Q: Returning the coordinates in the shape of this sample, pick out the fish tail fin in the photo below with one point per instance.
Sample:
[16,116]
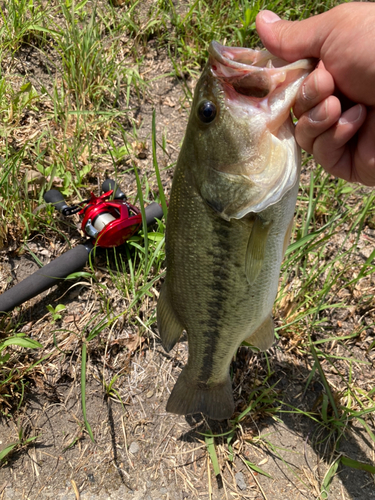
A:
[189,396]
[170,328]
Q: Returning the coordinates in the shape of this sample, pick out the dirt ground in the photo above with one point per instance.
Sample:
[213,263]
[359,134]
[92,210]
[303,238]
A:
[146,453]
[140,451]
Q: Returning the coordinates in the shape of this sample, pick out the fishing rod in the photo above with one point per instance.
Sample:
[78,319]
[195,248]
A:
[109,220]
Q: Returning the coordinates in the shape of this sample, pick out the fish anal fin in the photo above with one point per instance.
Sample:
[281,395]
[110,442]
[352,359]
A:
[264,336]
[169,326]
[189,396]
[256,248]
[287,235]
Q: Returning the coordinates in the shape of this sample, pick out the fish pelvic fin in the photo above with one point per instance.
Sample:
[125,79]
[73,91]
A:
[169,326]
[264,336]
[189,396]
[256,248]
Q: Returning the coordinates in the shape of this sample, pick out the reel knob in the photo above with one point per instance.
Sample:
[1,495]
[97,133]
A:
[110,184]
[57,200]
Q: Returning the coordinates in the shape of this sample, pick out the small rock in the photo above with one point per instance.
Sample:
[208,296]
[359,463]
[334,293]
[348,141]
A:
[134,448]
[240,480]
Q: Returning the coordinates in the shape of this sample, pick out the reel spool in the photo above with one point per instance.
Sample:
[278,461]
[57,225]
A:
[108,222]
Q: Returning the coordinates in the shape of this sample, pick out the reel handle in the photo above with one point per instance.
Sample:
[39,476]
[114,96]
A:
[110,184]
[56,199]
[153,211]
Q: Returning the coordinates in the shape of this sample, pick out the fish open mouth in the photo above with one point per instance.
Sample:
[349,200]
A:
[253,73]
[258,91]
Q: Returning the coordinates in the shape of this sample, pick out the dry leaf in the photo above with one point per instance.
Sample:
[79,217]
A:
[34,177]
[84,155]
[56,181]
[134,342]
[169,102]
[264,461]
[140,149]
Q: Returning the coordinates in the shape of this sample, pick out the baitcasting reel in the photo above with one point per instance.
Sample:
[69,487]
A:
[108,222]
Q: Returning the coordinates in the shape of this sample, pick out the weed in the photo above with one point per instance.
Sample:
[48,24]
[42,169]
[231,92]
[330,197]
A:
[12,376]
[24,22]
[55,311]
[21,443]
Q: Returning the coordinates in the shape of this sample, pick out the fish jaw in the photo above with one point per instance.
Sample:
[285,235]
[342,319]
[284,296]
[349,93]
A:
[255,81]
[254,162]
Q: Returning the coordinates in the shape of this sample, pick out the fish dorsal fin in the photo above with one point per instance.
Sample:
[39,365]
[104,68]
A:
[256,248]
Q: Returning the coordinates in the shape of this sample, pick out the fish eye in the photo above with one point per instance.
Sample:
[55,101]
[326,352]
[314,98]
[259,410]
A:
[207,111]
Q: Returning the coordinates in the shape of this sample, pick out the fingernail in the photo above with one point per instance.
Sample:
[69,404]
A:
[269,16]
[319,113]
[310,87]
[351,115]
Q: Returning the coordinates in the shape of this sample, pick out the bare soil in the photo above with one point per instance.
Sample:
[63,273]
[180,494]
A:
[140,451]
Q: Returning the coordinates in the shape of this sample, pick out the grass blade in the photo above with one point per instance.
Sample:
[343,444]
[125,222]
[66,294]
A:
[324,380]
[156,167]
[210,445]
[255,468]
[7,450]
[83,390]
[328,479]
[144,222]
[355,464]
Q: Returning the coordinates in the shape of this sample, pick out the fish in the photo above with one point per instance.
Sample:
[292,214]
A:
[230,218]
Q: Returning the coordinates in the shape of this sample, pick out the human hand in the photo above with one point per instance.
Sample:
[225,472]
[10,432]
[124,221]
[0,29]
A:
[342,139]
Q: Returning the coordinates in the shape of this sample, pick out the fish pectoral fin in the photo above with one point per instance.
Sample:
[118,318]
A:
[189,396]
[287,236]
[169,326]
[264,336]
[256,248]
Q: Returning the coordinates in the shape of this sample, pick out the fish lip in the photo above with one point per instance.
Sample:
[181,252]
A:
[258,59]
[221,52]
[253,73]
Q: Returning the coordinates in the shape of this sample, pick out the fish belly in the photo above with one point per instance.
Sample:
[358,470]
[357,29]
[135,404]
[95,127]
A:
[206,292]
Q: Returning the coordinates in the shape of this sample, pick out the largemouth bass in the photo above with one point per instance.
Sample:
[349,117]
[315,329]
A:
[230,216]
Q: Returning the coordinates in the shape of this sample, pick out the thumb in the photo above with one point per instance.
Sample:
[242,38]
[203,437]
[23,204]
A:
[292,40]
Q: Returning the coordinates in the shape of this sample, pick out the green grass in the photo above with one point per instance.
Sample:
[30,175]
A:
[24,22]
[202,21]
[73,124]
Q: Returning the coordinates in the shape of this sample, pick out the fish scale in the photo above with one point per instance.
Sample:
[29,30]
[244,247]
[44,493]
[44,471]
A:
[228,226]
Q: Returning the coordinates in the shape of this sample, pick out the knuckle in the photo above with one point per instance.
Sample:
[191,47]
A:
[303,138]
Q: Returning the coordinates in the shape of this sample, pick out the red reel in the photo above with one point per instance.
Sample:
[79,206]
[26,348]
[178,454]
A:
[110,222]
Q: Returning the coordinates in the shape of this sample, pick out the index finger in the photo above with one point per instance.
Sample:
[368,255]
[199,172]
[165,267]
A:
[315,88]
